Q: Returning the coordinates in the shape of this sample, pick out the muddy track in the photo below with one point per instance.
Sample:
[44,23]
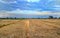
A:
[30,29]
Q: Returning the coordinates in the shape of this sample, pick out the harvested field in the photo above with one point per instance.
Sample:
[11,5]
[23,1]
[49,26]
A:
[30,28]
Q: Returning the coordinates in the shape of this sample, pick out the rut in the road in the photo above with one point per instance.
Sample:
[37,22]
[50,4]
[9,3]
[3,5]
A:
[19,29]
[30,29]
[27,29]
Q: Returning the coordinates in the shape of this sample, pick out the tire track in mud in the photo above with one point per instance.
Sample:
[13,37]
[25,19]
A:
[8,24]
[52,22]
[17,22]
[17,30]
[42,29]
[43,23]
[27,28]
[49,23]
[39,23]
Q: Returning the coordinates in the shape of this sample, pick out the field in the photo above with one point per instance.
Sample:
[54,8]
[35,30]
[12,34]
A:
[30,28]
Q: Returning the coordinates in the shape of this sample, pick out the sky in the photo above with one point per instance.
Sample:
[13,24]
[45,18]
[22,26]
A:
[29,7]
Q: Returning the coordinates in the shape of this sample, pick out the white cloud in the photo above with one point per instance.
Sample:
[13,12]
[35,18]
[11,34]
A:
[33,12]
[8,1]
[5,14]
[56,6]
[28,12]
[32,0]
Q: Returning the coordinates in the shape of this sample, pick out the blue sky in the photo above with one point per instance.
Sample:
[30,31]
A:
[30,7]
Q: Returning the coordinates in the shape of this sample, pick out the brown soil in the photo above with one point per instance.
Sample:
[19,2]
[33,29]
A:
[30,28]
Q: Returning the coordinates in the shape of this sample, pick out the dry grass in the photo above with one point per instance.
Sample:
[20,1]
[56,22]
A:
[30,28]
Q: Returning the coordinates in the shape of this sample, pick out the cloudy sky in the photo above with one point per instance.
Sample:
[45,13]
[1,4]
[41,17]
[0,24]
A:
[29,7]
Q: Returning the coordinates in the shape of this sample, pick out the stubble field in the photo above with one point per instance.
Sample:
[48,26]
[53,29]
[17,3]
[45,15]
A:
[30,28]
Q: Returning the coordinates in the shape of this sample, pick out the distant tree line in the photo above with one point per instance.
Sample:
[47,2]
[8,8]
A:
[8,18]
[50,17]
[12,18]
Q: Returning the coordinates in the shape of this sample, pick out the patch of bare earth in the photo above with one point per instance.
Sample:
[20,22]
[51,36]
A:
[31,28]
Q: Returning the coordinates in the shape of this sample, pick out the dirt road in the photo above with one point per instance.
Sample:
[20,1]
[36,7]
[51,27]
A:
[33,28]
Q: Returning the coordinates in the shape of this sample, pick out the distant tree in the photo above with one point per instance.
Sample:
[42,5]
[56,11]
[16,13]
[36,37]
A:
[38,18]
[10,18]
[15,17]
[55,17]
[51,17]
[7,18]
[59,17]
